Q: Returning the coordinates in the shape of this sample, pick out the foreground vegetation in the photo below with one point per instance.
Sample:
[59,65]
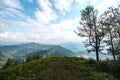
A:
[63,68]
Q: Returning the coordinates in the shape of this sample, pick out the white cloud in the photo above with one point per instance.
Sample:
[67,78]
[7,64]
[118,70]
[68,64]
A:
[63,5]
[23,23]
[12,13]
[42,30]
[66,25]
[45,4]
[105,4]
[46,14]
[12,3]
[52,34]
[93,2]
[60,32]
[30,37]
[11,36]
[81,2]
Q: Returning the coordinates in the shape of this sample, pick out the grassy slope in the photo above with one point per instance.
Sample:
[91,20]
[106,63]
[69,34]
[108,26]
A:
[55,68]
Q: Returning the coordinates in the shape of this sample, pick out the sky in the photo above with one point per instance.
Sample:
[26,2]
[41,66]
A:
[44,21]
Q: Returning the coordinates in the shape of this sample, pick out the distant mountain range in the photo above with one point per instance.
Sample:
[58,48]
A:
[79,50]
[74,46]
[21,51]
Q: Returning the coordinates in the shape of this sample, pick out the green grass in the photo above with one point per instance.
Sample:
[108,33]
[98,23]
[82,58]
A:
[56,68]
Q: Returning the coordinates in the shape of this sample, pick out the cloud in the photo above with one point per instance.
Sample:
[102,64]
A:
[46,15]
[60,32]
[81,2]
[23,24]
[12,3]
[40,26]
[11,12]
[63,5]
[53,34]
[66,25]
[11,36]
[93,2]
[32,37]
[105,4]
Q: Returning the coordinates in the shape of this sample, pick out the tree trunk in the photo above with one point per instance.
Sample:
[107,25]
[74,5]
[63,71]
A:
[113,53]
[112,46]
[97,55]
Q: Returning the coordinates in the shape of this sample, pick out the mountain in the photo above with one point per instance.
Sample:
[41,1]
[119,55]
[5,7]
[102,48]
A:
[77,47]
[74,46]
[54,51]
[21,51]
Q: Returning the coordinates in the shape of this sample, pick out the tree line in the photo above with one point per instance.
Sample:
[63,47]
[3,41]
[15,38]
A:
[101,31]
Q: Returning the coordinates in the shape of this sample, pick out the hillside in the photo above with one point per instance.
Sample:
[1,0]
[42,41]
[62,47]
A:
[58,68]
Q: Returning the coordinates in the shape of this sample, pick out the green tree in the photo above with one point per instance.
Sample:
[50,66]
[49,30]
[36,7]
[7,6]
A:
[91,28]
[9,63]
[30,58]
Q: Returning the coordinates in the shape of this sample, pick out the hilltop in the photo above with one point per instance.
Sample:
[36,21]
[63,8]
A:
[60,68]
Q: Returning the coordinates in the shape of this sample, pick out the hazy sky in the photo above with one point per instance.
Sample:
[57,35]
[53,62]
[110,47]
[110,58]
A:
[44,21]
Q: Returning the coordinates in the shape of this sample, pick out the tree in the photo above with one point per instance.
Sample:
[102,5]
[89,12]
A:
[112,24]
[116,14]
[9,63]
[91,28]
[30,58]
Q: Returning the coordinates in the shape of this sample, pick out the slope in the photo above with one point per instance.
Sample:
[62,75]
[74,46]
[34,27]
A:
[55,68]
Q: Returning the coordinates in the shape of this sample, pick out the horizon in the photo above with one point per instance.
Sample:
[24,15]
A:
[44,21]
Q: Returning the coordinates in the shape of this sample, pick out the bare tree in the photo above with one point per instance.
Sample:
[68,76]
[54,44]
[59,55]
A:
[112,24]
[91,28]
[116,14]
[116,22]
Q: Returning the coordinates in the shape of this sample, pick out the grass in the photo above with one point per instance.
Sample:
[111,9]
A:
[56,68]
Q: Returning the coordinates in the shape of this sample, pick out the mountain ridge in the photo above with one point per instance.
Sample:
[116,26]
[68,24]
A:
[22,51]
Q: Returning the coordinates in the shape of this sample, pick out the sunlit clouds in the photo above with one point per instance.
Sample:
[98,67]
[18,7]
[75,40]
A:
[48,21]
